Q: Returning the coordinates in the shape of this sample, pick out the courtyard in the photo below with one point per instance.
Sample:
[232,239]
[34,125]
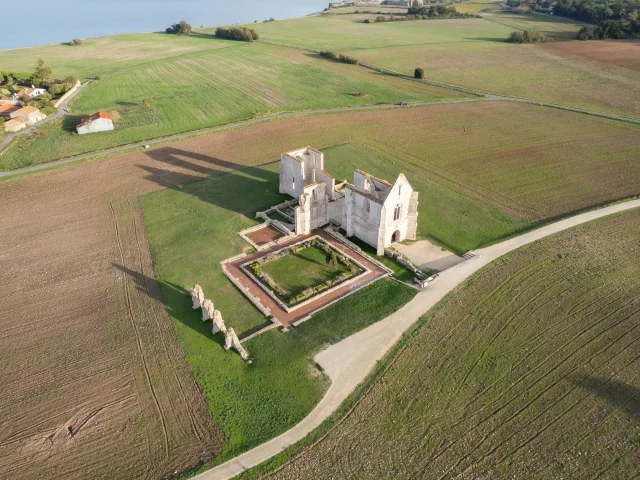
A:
[296,280]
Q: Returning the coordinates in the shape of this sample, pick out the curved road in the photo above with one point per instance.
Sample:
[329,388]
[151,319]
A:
[349,362]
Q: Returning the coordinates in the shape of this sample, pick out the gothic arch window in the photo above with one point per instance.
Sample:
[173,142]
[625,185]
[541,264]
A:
[293,177]
[396,212]
[399,190]
[367,185]
[367,206]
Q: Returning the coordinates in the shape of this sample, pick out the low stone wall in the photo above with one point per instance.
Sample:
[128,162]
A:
[268,291]
[346,242]
[405,262]
[66,95]
[255,300]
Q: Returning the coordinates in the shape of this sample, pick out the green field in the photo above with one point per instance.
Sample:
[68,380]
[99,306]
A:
[233,81]
[529,370]
[472,53]
[190,230]
[446,217]
[302,270]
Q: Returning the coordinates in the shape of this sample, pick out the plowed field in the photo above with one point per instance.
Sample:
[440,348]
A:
[529,370]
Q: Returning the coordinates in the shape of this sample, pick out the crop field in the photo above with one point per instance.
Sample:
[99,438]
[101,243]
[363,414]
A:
[210,88]
[472,53]
[530,370]
[102,55]
[623,53]
[476,7]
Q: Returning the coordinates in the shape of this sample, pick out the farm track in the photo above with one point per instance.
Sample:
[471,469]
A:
[348,363]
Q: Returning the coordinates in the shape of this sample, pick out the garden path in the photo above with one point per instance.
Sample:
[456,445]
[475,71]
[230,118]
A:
[349,362]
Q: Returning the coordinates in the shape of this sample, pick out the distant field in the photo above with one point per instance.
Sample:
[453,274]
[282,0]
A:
[209,88]
[97,56]
[472,53]
[623,53]
[530,370]
[475,7]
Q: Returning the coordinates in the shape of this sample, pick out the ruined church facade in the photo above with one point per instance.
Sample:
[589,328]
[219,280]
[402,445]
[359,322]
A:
[371,209]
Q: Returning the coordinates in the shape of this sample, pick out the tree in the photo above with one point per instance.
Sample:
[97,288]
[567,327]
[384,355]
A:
[181,28]
[4,92]
[41,74]
[75,41]
[419,73]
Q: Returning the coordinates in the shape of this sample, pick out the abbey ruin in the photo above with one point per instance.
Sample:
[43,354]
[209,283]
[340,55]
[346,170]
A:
[371,209]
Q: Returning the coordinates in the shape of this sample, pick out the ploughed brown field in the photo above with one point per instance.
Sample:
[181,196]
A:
[94,381]
[624,53]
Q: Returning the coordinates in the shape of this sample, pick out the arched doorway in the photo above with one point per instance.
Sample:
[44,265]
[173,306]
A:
[395,237]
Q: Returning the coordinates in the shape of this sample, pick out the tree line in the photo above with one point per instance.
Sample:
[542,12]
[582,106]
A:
[611,18]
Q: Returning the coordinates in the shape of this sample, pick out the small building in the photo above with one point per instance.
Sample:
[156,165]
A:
[10,101]
[16,124]
[98,122]
[32,92]
[371,209]
[7,109]
[32,114]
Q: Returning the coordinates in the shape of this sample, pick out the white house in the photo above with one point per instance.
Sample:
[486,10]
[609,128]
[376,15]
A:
[32,92]
[98,122]
[371,209]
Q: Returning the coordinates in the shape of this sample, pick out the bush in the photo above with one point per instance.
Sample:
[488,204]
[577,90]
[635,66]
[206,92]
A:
[419,73]
[338,57]
[243,34]
[56,89]
[75,41]
[181,28]
[527,37]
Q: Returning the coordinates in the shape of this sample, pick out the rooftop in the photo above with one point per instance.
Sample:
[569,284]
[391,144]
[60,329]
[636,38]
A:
[96,116]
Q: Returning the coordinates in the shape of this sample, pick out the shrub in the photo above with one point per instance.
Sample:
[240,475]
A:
[147,103]
[419,73]
[181,28]
[243,34]
[75,41]
[56,89]
[339,57]
[527,37]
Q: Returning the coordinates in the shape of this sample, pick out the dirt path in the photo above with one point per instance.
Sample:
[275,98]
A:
[349,362]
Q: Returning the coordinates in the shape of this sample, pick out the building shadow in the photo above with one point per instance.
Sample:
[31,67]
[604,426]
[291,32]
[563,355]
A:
[70,122]
[238,188]
[619,394]
[175,298]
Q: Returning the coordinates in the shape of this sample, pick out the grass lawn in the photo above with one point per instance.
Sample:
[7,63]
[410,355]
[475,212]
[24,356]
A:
[232,82]
[531,369]
[190,230]
[399,272]
[305,269]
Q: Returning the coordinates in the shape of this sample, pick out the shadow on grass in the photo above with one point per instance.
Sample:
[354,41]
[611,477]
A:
[175,295]
[620,395]
[488,39]
[70,122]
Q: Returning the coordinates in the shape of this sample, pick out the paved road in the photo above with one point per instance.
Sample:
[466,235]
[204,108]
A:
[349,362]
[62,111]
